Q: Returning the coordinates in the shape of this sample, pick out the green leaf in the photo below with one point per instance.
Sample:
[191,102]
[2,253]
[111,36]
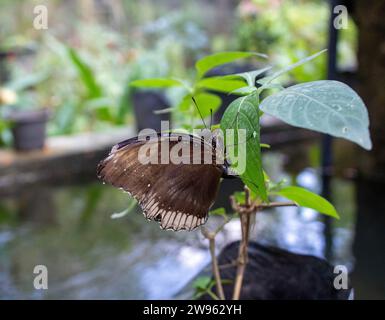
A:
[27,81]
[209,62]
[131,205]
[156,83]
[240,197]
[165,110]
[326,106]
[202,283]
[205,102]
[124,105]
[185,103]
[308,199]
[265,86]
[86,74]
[274,186]
[252,75]
[219,84]
[244,90]
[121,214]
[243,113]
[218,211]
[292,66]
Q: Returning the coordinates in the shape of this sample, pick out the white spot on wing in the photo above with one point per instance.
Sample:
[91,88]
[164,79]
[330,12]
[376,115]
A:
[188,222]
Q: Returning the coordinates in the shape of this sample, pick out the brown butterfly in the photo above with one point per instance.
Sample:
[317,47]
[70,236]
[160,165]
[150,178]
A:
[177,195]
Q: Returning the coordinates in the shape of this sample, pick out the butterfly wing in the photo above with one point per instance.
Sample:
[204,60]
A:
[179,196]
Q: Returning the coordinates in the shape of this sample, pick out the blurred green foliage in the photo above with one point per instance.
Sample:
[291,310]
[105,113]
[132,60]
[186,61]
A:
[88,60]
[290,30]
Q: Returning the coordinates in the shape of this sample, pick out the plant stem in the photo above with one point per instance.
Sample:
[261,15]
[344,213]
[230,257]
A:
[213,295]
[214,262]
[244,214]
[242,255]
[217,275]
[245,211]
[278,204]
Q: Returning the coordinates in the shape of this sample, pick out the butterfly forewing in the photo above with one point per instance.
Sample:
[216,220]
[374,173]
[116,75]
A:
[178,195]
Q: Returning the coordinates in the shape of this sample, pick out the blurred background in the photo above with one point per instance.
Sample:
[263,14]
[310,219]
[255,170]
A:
[65,100]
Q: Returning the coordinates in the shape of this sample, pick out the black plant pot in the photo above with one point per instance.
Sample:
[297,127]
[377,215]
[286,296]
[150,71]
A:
[277,274]
[29,129]
[145,103]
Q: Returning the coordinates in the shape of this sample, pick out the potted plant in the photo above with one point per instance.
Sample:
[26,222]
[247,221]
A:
[22,114]
[146,101]
[7,97]
[29,129]
[172,45]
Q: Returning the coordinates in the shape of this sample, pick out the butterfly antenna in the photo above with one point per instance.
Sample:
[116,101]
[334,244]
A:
[200,114]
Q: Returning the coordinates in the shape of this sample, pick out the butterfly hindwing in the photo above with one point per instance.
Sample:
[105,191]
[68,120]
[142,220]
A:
[179,196]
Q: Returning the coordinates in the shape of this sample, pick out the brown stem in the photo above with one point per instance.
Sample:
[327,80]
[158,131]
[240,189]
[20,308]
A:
[244,214]
[242,255]
[214,262]
[244,211]
[217,275]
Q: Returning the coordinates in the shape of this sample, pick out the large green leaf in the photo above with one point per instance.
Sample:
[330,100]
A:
[206,102]
[86,74]
[156,83]
[243,113]
[124,105]
[327,106]
[220,84]
[209,62]
[308,199]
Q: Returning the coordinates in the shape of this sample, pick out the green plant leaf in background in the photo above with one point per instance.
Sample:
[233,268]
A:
[203,285]
[308,199]
[251,76]
[207,102]
[220,84]
[244,90]
[156,83]
[202,282]
[326,106]
[185,103]
[243,113]
[218,212]
[278,73]
[209,62]
[124,105]
[131,205]
[86,74]
[27,81]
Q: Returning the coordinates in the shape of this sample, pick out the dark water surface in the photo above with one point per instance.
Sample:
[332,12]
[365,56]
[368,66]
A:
[89,255]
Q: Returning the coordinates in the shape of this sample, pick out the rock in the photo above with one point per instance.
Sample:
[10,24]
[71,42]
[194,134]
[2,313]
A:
[276,274]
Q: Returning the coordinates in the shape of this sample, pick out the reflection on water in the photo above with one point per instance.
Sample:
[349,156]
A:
[90,255]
